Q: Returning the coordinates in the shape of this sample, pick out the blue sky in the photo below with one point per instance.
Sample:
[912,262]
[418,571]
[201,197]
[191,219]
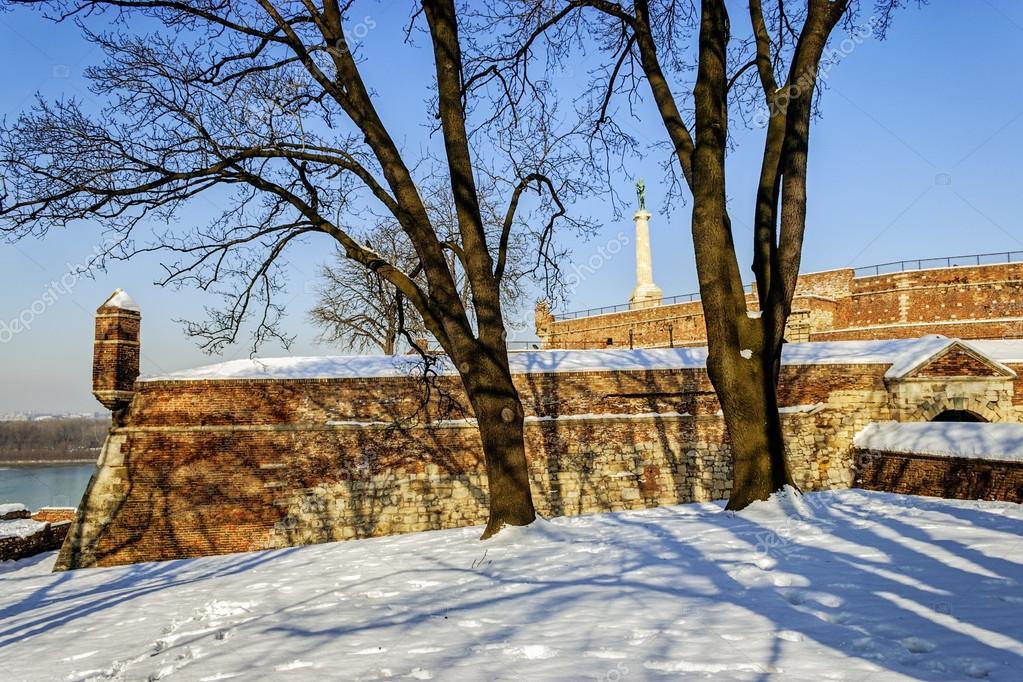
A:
[918,154]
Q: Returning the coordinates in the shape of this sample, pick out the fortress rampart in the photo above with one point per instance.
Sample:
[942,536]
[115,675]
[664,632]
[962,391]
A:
[966,302]
[264,454]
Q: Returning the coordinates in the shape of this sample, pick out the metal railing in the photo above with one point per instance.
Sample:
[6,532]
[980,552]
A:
[946,262]
[866,270]
[604,310]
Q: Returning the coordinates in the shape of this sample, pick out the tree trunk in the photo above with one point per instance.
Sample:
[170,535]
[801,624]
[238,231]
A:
[749,403]
[742,361]
[499,416]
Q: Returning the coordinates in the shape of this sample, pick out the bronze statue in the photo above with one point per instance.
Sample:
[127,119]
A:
[641,194]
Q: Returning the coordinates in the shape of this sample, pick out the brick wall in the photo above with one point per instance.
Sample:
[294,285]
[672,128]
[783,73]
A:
[51,537]
[949,477]
[207,467]
[963,302]
[54,514]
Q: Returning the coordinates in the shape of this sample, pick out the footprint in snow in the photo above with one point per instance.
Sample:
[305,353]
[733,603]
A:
[917,645]
[798,597]
[978,670]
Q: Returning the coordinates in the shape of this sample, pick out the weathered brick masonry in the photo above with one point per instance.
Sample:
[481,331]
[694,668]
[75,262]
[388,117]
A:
[50,537]
[951,477]
[208,466]
[975,302]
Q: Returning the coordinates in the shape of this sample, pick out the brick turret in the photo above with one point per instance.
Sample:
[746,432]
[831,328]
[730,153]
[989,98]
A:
[115,358]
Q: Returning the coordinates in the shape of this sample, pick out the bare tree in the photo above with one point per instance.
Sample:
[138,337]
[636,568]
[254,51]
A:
[361,311]
[267,101]
[776,68]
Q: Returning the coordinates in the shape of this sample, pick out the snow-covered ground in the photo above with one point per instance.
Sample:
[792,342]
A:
[847,585]
[981,440]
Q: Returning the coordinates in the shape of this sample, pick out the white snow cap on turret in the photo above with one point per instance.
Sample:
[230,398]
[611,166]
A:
[121,299]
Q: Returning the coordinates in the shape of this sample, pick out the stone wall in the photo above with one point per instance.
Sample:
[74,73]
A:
[977,302]
[200,467]
[51,537]
[949,477]
[208,467]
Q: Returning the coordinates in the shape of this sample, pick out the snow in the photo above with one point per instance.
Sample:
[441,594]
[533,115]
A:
[1002,442]
[20,528]
[1001,350]
[746,353]
[900,353]
[844,585]
[121,299]
[587,416]
[804,409]
[11,507]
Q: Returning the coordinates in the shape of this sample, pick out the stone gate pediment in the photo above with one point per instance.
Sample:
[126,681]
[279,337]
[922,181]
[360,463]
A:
[955,360]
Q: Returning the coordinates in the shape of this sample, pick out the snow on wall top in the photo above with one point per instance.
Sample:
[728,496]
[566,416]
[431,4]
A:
[21,528]
[11,507]
[953,439]
[1002,350]
[121,299]
[899,353]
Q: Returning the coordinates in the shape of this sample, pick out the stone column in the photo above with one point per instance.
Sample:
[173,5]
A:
[646,294]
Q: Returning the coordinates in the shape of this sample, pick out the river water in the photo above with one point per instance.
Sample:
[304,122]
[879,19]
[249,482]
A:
[44,485]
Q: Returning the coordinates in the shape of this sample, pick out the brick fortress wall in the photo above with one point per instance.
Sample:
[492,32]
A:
[209,467]
[951,477]
[976,302]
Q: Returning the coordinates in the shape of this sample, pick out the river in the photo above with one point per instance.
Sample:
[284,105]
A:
[44,485]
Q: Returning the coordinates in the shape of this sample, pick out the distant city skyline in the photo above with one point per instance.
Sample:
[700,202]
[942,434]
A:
[916,155]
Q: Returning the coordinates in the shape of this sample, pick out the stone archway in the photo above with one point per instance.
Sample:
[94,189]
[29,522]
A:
[979,410]
[958,416]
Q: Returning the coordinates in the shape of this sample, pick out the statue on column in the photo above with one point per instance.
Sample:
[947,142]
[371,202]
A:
[646,294]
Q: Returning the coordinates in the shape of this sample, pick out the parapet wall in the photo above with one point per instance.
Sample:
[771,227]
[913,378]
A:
[208,467]
[949,477]
[199,467]
[975,302]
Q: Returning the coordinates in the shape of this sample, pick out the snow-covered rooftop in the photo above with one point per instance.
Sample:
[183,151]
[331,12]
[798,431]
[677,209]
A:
[953,439]
[901,354]
[121,299]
